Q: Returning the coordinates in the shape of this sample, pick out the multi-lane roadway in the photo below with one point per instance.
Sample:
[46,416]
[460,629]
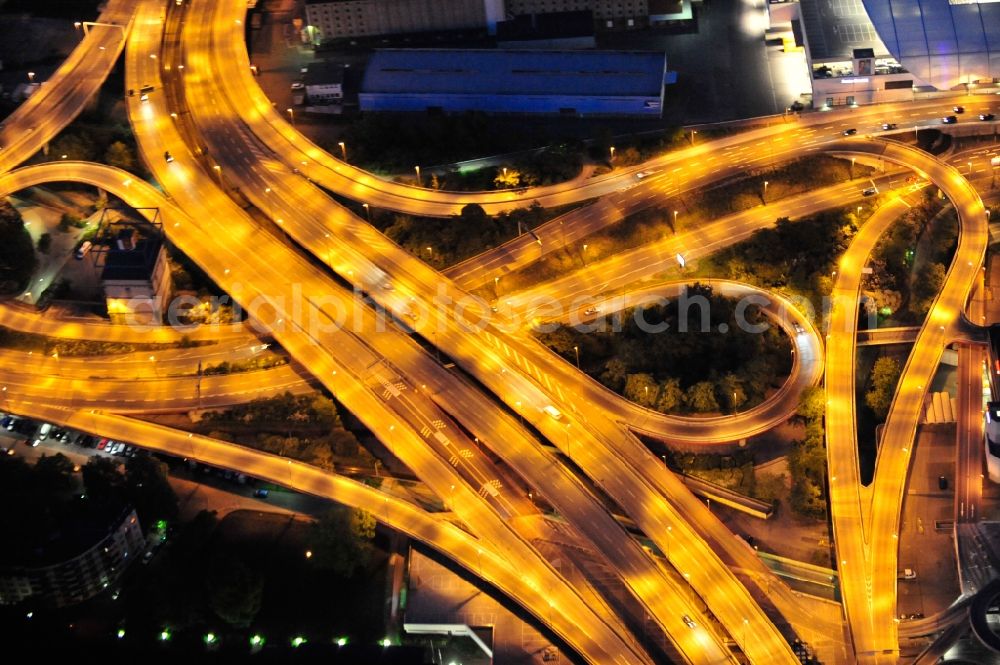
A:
[398,389]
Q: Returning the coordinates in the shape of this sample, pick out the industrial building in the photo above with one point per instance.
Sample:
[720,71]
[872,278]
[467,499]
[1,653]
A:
[338,19]
[575,83]
[361,18]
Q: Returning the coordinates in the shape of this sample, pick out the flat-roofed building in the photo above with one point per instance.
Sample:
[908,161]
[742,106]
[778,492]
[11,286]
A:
[361,18]
[622,83]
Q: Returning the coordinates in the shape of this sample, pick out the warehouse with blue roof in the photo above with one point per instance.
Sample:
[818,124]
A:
[606,83]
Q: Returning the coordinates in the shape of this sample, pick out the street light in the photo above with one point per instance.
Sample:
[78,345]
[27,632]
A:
[852,167]
[31,77]
[675,219]
[343,149]
[970,167]
[576,349]
[612,153]
[693,132]
[368,212]
[218,169]
[291,115]
[764,195]
[419,183]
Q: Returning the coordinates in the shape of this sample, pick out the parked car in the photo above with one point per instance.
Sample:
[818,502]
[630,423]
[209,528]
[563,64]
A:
[908,574]
[260,493]
[942,483]
[102,444]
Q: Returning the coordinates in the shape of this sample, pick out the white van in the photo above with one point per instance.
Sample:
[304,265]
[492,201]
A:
[84,249]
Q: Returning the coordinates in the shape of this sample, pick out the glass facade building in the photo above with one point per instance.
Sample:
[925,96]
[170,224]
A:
[946,43]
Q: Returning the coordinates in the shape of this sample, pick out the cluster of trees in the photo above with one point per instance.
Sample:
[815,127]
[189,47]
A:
[734,471]
[904,281]
[698,371]
[142,483]
[253,364]
[340,540]
[457,238]
[807,460]
[882,385]
[113,145]
[17,251]
[195,582]
[303,427]
[799,255]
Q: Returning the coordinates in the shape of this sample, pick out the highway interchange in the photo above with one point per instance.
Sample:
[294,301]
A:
[208,113]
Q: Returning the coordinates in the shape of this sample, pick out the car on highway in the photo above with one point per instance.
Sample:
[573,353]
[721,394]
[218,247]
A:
[553,412]
[871,191]
[986,117]
[851,131]
[958,109]
[688,621]
[889,125]
[167,156]
[949,120]
[144,93]
[908,574]
[590,311]
[643,174]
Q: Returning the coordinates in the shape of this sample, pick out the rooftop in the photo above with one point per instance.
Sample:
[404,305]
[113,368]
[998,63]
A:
[553,25]
[512,72]
[323,72]
[132,264]
[835,28]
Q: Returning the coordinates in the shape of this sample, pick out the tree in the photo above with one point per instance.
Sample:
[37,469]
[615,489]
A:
[54,472]
[507,178]
[340,539]
[121,156]
[149,490]
[17,252]
[926,285]
[641,389]
[74,146]
[671,397]
[730,390]
[700,397]
[812,403]
[102,480]
[614,374]
[234,591]
[45,243]
[630,156]
[884,377]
